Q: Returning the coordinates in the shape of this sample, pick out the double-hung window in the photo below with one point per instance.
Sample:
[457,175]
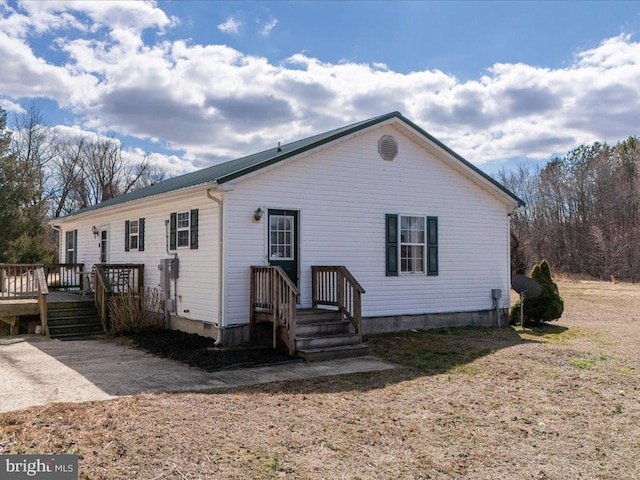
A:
[411,244]
[183,230]
[134,235]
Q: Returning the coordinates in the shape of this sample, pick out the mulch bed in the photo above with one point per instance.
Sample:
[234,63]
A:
[201,352]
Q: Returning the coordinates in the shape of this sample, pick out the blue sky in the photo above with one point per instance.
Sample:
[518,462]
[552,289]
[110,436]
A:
[196,83]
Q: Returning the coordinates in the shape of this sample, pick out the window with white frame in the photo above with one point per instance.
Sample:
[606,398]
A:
[134,231]
[412,244]
[134,235]
[281,230]
[183,229]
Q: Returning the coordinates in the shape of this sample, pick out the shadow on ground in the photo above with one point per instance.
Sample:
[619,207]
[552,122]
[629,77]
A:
[45,371]
[416,353]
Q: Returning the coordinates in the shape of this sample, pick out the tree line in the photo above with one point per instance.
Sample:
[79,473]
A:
[44,175]
[581,213]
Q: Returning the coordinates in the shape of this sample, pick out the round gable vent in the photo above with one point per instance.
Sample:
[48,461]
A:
[388,147]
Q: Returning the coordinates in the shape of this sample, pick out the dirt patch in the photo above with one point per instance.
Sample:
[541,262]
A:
[201,352]
[552,403]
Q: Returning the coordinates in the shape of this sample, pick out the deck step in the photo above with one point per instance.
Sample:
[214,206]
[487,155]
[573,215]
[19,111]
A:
[330,353]
[327,341]
[323,328]
[316,315]
[323,334]
[73,320]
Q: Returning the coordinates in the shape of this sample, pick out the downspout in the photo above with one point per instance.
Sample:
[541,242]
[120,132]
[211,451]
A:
[220,260]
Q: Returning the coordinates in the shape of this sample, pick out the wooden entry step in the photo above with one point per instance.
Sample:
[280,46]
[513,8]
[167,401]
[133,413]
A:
[323,334]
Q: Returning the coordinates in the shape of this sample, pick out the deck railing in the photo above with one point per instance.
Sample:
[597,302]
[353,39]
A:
[112,279]
[25,281]
[18,280]
[273,298]
[336,286]
[65,276]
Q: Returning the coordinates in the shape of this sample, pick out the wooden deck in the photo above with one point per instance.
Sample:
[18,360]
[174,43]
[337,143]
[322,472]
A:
[11,309]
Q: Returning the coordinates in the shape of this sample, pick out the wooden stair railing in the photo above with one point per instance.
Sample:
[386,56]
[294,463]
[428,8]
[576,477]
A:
[102,291]
[273,298]
[112,279]
[336,286]
[43,291]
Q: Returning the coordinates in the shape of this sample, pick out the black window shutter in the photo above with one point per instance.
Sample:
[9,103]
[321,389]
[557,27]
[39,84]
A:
[75,246]
[193,243]
[391,232]
[173,231]
[432,246]
[126,236]
[141,234]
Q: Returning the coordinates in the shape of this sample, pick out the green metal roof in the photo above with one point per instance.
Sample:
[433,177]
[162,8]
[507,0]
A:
[230,170]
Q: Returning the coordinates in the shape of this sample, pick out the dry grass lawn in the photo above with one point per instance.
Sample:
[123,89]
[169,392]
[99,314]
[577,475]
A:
[558,402]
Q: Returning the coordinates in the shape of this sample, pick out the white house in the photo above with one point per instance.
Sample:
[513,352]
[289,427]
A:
[423,231]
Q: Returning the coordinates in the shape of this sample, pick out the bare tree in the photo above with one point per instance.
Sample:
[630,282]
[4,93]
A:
[93,170]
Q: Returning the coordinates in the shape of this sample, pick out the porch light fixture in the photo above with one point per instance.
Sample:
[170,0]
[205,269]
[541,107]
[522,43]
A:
[95,231]
[257,215]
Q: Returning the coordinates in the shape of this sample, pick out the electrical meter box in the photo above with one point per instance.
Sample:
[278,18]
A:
[169,269]
[172,266]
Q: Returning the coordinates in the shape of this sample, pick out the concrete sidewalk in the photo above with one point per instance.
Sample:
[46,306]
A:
[35,370]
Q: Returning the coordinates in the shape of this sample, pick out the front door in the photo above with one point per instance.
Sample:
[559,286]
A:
[104,238]
[283,241]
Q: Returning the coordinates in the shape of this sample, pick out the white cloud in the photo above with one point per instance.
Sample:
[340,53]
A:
[230,26]
[9,106]
[88,15]
[266,30]
[214,102]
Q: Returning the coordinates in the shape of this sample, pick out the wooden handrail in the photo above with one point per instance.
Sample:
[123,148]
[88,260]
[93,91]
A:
[334,285]
[101,292]
[64,276]
[112,279]
[274,295]
[43,291]
[18,280]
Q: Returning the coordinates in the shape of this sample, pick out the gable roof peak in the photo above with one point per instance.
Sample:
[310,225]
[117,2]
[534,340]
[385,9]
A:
[239,167]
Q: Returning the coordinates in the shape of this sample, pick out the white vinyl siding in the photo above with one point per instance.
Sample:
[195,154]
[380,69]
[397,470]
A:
[198,283]
[343,193]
